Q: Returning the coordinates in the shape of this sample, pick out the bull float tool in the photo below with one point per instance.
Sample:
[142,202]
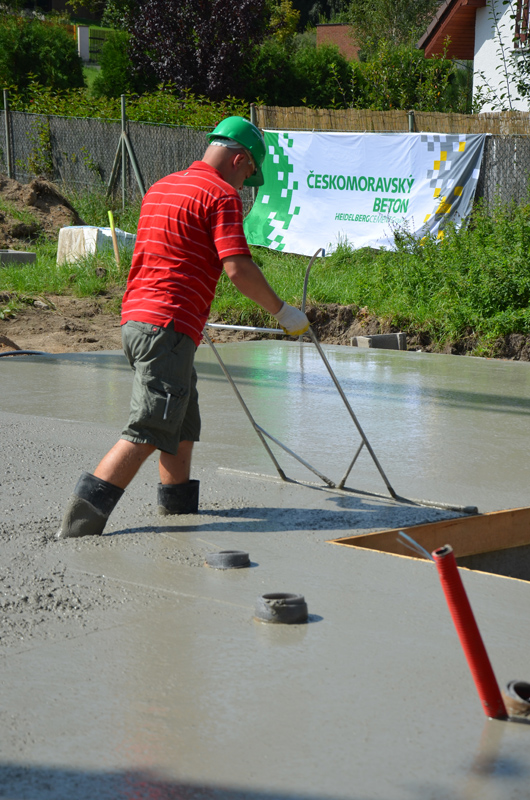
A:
[264,435]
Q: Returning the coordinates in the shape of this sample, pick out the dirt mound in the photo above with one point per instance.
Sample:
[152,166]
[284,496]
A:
[28,211]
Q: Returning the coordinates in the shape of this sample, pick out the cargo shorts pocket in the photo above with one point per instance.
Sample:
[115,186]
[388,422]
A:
[158,405]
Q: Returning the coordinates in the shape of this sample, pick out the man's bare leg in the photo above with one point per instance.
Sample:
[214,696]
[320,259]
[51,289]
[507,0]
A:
[122,462]
[176,468]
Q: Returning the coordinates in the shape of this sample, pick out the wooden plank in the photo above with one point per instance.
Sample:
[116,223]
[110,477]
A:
[468,536]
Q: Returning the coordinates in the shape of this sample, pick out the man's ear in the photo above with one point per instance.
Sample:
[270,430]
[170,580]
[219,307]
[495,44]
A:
[238,160]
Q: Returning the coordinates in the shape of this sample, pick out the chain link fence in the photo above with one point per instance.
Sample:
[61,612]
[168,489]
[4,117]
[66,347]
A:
[505,172]
[80,153]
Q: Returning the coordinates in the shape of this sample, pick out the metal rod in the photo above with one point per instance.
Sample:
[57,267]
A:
[329,482]
[350,410]
[337,384]
[277,331]
[261,431]
[253,120]
[245,408]
[136,168]
[346,490]
[115,169]
[7,120]
[308,270]
[306,280]
[123,155]
[356,456]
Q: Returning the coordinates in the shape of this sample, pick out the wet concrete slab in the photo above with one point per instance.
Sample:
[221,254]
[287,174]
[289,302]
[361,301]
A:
[164,685]
[444,428]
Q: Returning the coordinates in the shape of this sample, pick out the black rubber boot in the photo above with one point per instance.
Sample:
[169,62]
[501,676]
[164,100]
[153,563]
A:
[89,508]
[178,498]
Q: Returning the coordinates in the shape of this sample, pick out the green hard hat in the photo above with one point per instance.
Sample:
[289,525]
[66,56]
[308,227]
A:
[245,133]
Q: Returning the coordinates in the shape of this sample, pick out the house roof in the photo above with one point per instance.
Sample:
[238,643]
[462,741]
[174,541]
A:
[454,19]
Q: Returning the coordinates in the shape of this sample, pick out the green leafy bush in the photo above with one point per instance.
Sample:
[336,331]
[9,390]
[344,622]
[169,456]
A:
[163,106]
[116,76]
[285,74]
[33,50]
[400,77]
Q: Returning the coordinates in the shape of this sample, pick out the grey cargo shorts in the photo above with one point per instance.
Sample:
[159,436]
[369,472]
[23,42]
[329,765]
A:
[164,403]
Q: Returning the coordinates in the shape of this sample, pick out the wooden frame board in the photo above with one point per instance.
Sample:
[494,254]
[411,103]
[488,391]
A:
[469,535]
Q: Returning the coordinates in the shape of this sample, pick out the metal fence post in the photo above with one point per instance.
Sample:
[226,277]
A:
[412,121]
[7,119]
[253,120]
[123,155]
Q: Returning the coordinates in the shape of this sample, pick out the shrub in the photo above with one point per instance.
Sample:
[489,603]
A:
[163,106]
[116,76]
[401,77]
[287,74]
[31,49]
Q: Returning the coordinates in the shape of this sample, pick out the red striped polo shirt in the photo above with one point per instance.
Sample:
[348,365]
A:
[189,222]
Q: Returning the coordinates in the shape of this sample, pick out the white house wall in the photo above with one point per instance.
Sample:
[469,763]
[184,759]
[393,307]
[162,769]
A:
[493,38]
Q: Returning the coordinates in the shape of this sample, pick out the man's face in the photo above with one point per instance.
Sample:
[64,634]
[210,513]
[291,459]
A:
[245,170]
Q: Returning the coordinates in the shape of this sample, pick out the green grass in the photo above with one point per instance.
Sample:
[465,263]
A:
[90,74]
[84,278]
[475,282]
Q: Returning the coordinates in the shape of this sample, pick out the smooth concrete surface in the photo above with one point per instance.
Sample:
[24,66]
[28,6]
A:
[444,428]
[150,679]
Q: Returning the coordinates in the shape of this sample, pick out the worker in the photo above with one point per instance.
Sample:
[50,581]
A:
[190,229]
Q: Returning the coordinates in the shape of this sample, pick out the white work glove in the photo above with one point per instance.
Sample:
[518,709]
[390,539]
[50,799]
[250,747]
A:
[292,320]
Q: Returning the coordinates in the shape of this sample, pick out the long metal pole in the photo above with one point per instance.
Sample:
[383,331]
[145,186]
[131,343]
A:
[306,280]
[7,119]
[249,328]
[408,500]
[306,464]
[115,168]
[352,415]
[308,270]
[256,427]
[123,155]
[136,168]
[253,120]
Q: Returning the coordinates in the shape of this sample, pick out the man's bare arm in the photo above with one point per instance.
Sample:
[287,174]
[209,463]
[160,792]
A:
[250,281]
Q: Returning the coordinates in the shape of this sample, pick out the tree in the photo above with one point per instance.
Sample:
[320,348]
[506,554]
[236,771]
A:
[201,45]
[284,19]
[117,13]
[394,21]
[314,11]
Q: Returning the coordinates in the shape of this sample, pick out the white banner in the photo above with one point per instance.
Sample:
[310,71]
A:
[322,189]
